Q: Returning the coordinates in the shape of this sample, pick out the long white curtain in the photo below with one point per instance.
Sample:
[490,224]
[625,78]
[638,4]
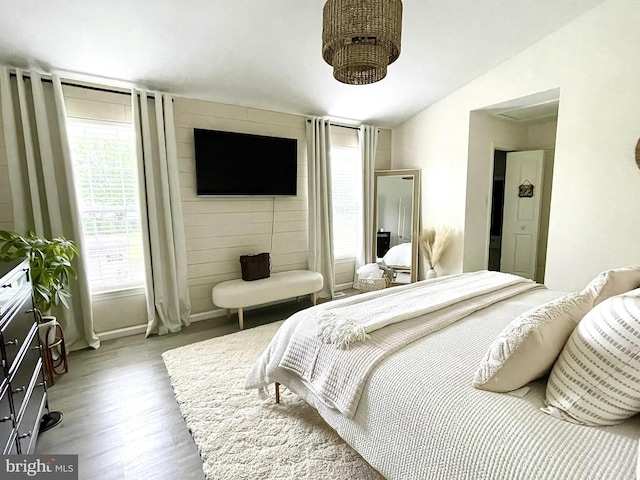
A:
[42,183]
[168,304]
[368,136]
[320,202]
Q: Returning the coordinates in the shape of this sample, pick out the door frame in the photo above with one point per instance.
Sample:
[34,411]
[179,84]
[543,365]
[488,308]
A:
[494,147]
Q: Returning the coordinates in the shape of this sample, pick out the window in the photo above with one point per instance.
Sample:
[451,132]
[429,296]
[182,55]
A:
[106,179]
[345,185]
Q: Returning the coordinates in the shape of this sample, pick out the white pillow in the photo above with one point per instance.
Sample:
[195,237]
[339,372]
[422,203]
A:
[596,380]
[528,347]
[613,282]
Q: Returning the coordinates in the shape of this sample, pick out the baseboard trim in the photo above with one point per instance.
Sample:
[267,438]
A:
[198,317]
[122,332]
[220,313]
[141,329]
[343,286]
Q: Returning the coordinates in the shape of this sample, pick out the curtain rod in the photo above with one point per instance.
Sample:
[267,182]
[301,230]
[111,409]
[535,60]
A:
[345,126]
[79,85]
[91,87]
[352,127]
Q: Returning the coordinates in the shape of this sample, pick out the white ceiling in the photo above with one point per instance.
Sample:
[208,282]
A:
[267,54]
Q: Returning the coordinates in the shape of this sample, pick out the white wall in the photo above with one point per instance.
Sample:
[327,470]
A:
[542,136]
[594,204]
[219,230]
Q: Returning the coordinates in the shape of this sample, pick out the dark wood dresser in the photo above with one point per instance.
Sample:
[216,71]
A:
[383,241]
[23,391]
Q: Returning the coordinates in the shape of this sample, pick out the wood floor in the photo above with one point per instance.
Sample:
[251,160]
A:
[120,414]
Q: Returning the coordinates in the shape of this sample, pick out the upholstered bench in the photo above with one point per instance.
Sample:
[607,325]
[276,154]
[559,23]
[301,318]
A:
[279,286]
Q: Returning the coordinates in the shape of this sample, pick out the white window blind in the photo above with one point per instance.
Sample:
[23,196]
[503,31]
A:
[345,168]
[106,179]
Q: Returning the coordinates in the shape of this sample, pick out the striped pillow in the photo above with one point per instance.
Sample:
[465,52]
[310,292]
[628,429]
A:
[596,380]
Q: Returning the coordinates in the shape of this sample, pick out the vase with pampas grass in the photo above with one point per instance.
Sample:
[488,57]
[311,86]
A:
[433,243]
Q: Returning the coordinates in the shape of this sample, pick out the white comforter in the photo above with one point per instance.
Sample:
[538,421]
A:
[420,418]
[354,319]
[337,376]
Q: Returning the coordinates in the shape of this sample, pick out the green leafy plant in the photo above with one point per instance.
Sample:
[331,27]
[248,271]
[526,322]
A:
[50,264]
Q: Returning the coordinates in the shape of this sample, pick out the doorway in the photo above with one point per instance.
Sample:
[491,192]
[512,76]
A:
[497,208]
[517,208]
[520,124]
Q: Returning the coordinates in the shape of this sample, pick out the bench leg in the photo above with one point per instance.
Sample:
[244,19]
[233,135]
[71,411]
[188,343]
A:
[240,319]
[277,392]
[314,297]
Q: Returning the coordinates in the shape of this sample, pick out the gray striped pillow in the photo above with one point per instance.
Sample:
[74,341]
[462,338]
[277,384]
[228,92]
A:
[596,379]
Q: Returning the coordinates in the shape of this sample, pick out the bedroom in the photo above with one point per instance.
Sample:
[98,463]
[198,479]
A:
[594,207]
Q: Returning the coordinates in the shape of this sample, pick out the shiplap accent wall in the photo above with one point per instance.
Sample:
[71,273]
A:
[6,204]
[218,230]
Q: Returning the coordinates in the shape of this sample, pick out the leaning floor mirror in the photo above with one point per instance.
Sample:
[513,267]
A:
[397,223]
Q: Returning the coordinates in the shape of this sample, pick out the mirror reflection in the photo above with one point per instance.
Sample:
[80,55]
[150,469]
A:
[397,222]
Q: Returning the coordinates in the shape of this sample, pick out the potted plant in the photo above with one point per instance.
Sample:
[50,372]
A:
[49,262]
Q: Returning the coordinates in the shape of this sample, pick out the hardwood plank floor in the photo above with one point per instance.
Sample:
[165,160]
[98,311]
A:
[120,413]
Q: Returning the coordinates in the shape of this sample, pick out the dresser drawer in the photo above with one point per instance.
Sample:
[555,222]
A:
[6,417]
[10,285]
[11,447]
[3,371]
[14,332]
[29,425]
[23,374]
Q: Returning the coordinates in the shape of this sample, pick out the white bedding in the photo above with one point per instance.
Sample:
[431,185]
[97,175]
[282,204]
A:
[420,418]
[399,255]
[336,375]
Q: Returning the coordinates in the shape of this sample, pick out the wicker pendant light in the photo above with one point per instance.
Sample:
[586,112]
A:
[360,38]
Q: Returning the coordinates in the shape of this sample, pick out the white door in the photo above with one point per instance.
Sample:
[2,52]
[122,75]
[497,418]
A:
[521,215]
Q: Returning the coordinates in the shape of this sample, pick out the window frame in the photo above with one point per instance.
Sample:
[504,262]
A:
[115,289]
[344,258]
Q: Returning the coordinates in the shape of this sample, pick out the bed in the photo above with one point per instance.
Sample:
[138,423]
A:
[398,259]
[417,415]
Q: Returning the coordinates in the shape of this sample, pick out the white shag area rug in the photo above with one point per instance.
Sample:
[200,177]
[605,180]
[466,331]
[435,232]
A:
[241,436]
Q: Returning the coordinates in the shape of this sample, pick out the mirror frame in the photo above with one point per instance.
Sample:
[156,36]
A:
[415,228]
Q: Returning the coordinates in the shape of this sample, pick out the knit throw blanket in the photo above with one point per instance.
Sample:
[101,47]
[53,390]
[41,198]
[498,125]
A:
[337,375]
[345,325]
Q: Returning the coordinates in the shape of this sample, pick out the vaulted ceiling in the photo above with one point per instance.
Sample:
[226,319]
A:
[267,54]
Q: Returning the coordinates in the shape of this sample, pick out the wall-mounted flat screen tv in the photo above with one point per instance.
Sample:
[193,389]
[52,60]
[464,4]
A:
[238,164]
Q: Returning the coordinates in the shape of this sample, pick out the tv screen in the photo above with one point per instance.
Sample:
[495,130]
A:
[229,164]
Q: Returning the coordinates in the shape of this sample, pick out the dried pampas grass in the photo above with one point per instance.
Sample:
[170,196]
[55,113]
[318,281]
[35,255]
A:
[434,242]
